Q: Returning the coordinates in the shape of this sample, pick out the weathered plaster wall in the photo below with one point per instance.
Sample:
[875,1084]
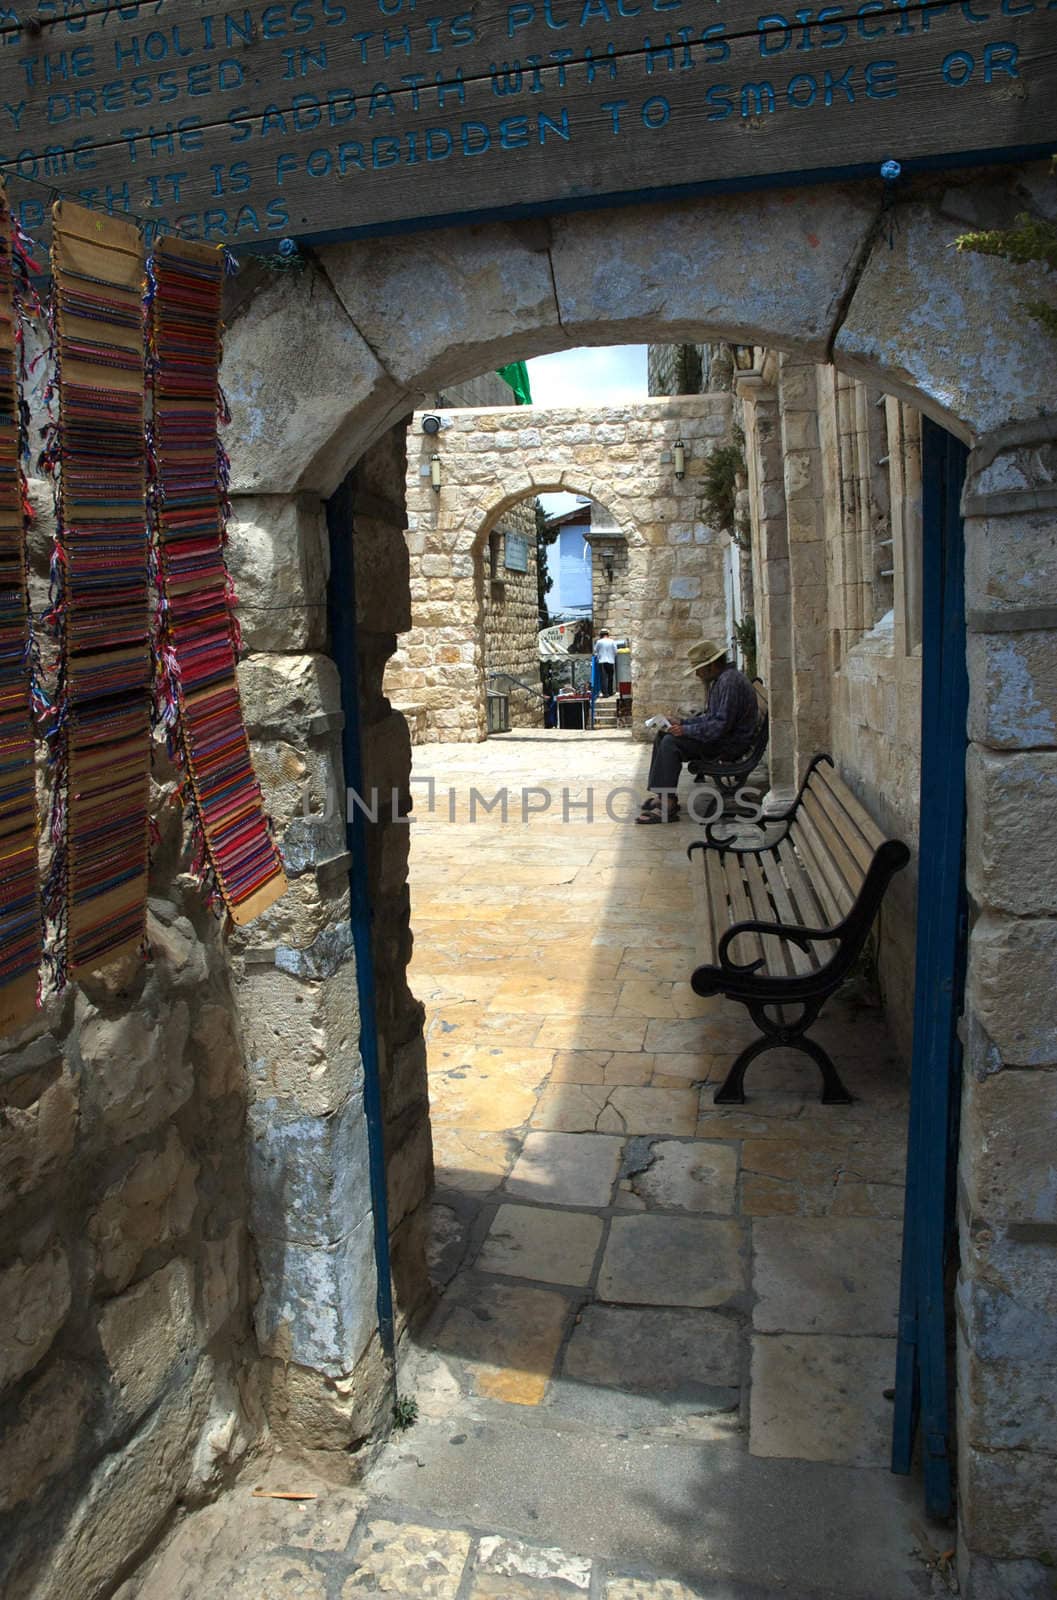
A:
[621,457]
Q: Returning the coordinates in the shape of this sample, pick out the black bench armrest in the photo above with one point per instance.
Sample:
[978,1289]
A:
[775,930]
[712,841]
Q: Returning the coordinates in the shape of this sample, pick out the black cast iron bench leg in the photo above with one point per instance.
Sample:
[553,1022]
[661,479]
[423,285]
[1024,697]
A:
[792,1036]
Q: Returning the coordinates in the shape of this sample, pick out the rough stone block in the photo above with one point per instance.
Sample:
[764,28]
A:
[148,1336]
[300,423]
[1007,1298]
[36,1297]
[1012,851]
[1010,561]
[277,556]
[387,759]
[137,1069]
[221,1279]
[216,1053]
[1012,987]
[1007,1405]
[983,1579]
[408,1168]
[1013,689]
[648,272]
[301,1039]
[44,1437]
[1006,1502]
[38,1127]
[281,693]
[312,1411]
[129,1497]
[383,602]
[489,290]
[150,1206]
[310,1176]
[317,1306]
[942,369]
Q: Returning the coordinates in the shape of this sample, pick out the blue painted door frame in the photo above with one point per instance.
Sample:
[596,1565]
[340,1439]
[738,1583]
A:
[341,607]
[928,1228]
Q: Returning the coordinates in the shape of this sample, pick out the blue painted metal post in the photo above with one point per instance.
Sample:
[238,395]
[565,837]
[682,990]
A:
[921,1375]
[341,604]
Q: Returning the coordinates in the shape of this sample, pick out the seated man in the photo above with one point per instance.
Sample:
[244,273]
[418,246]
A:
[725,730]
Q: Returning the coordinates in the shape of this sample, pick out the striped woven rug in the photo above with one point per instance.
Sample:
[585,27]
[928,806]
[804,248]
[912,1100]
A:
[199,644]
[98,887]
[20,932]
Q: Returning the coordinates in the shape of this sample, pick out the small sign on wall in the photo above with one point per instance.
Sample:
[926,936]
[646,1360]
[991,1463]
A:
[516,556]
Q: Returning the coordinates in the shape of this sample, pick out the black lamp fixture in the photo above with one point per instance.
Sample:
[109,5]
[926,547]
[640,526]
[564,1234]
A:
[679,456]
[431,426]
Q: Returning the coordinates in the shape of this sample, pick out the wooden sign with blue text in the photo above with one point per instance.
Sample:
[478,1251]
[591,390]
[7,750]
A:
[247,122]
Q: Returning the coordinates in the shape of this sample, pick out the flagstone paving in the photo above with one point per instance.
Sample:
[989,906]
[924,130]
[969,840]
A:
[660,1362]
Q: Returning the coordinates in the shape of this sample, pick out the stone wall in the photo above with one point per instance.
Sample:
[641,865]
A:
[1007,1290]
[510,621]
[299,990]
[833,684]
[832,270]
[620,457]
[126,1377]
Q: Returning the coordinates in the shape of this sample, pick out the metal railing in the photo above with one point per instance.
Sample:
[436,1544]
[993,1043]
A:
[528,687]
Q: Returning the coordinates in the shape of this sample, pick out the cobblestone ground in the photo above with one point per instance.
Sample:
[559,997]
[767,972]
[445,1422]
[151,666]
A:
[661,1362]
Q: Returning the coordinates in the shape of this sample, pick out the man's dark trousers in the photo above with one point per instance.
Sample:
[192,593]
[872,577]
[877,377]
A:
[669,756]
[606,669]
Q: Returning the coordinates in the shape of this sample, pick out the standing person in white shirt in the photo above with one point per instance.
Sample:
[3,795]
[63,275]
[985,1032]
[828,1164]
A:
[606,656]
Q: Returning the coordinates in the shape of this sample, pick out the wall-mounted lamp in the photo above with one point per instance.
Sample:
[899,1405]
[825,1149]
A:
[607,566]
[679,457]
[434,471]
[431,424]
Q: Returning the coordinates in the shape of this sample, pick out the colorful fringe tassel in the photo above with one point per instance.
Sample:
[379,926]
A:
[20,923]
[98,884]
[199,641]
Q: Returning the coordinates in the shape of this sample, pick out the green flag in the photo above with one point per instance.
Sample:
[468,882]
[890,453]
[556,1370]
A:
[516,375]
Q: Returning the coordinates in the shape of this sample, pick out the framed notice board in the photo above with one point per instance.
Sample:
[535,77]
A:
[252,120]
[515,558]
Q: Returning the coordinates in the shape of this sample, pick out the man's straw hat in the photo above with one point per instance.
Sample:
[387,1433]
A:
[701,654]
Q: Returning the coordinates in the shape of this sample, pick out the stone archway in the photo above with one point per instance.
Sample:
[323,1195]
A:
[824,274]
[620,457]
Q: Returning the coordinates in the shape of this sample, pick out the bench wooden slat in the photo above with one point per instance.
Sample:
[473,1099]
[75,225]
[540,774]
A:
[803,961]
[836,848]
[707,943]
[807,909]
[749,946]
[811,913]
[870,833]
[778,952]
[829,886]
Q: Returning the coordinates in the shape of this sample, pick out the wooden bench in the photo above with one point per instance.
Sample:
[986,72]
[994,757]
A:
[781,922]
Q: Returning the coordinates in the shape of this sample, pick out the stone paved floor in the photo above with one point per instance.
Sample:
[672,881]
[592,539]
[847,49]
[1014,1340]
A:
[660,1361]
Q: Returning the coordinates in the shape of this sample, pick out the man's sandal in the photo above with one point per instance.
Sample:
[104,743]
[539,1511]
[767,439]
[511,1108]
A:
[653,813]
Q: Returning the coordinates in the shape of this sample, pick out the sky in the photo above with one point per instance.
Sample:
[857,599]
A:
[609,375]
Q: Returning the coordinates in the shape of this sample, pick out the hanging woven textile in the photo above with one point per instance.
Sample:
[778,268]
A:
[199,637]
[20,935]
[101,735]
